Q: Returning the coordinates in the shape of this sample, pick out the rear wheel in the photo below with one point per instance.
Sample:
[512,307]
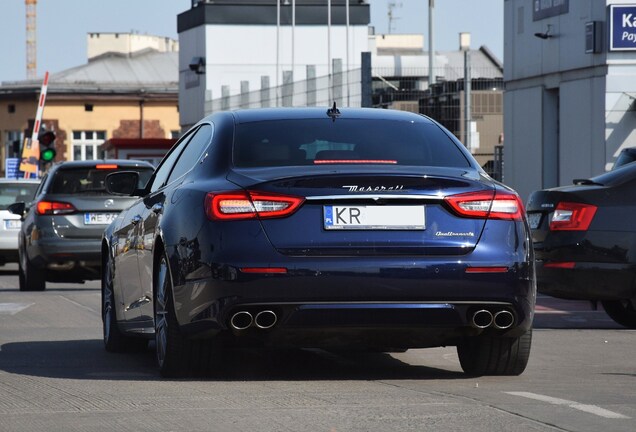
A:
[30,277]
[114,339]
[173,350]
[488,355]
[622,311]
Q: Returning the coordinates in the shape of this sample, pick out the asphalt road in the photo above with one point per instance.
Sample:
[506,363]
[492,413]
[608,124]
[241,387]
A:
[56,376]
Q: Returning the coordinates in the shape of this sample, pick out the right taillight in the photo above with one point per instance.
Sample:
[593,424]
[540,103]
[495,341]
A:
[569,216]
[487,205]
[54,208]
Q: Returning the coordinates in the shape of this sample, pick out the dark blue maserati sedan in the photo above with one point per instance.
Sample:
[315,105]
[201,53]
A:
[325,228]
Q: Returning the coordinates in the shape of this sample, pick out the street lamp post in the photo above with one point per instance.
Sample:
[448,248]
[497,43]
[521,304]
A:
[464,45]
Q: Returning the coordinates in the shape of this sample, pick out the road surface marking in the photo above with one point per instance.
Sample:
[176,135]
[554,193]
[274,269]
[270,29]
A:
[79,304]
[592,409]
[13,308]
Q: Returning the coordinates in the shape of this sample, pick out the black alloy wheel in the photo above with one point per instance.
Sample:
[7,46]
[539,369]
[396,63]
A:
[30,277]
[489,355]
[622,312]
[177,356]
[171,347]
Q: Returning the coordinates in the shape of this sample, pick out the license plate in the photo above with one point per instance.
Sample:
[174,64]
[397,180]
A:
[534,219]
[99,218]
[374,217]
[12,224]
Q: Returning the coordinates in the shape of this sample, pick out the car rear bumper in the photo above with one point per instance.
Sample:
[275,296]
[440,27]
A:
[588,281]
[67,259]
[396,307]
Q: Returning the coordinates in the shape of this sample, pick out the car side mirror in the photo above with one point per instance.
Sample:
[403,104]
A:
[17,208]
[123,183]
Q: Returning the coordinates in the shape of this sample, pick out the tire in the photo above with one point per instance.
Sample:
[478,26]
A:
[487,355]
[30,277]
[622,312]
[172,349]
[114,339]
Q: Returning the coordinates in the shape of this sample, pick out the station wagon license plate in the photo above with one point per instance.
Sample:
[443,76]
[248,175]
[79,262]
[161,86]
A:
[374,217]
[12,224]
[99,218]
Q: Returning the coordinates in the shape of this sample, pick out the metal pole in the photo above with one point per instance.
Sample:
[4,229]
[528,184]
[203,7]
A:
[431,51]
[347,67]
[293,37]
[277,50]
[329,50]
[467,85]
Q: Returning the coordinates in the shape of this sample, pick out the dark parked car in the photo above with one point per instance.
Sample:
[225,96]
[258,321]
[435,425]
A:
[585,241]
[627,155]
[358,229]
[61,232]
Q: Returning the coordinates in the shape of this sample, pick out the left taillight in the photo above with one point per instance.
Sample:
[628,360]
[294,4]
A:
[54,208]
[487,205]
[569,216]
[249,205]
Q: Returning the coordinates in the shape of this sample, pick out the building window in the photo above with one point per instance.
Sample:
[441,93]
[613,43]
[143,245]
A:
[11,108]
[86,145]
[88,107]
[13,143]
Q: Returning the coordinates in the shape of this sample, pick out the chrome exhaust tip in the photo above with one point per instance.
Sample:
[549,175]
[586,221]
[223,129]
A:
[482,319]
[241,320]
[503,319]
[265,319]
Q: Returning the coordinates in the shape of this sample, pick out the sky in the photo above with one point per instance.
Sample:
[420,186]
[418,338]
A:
[62,26]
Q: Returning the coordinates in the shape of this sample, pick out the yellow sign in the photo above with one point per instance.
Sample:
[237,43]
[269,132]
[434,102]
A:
[30,157]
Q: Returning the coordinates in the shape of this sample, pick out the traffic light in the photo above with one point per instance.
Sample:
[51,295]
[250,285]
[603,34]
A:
[47,146]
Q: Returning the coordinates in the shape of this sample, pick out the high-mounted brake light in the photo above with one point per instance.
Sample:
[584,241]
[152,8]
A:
[569,216]
[249,205]
[106,166]
[54,208]
[487,205]
[353,161]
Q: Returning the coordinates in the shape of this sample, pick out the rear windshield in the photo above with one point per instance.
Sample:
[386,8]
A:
[90,179]
[344,141]
[16,192]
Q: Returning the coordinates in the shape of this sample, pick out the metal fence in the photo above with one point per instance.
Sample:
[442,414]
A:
[345,88]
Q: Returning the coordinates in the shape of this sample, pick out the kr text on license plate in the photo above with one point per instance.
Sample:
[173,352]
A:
[374,217]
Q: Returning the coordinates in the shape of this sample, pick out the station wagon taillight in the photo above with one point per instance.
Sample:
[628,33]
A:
[249,205]
[487,205]
[569,216]
[54,208]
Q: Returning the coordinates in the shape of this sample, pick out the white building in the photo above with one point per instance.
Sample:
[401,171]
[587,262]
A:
[570,80]
[127,43]
[233,46]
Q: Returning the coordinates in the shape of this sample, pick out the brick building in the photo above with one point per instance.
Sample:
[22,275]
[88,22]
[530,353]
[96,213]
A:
[115,95]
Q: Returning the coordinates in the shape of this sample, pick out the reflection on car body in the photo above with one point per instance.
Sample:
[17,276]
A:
[233,242]
[585,241]
[60,237]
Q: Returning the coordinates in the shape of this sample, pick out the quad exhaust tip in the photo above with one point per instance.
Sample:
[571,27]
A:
[482,319]
[263,320]
[501,320]
[241,320]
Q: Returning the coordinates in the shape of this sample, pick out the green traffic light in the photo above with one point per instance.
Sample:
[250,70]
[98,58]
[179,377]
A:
[47,155]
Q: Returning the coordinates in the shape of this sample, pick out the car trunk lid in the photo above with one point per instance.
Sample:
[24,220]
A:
[368,212]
